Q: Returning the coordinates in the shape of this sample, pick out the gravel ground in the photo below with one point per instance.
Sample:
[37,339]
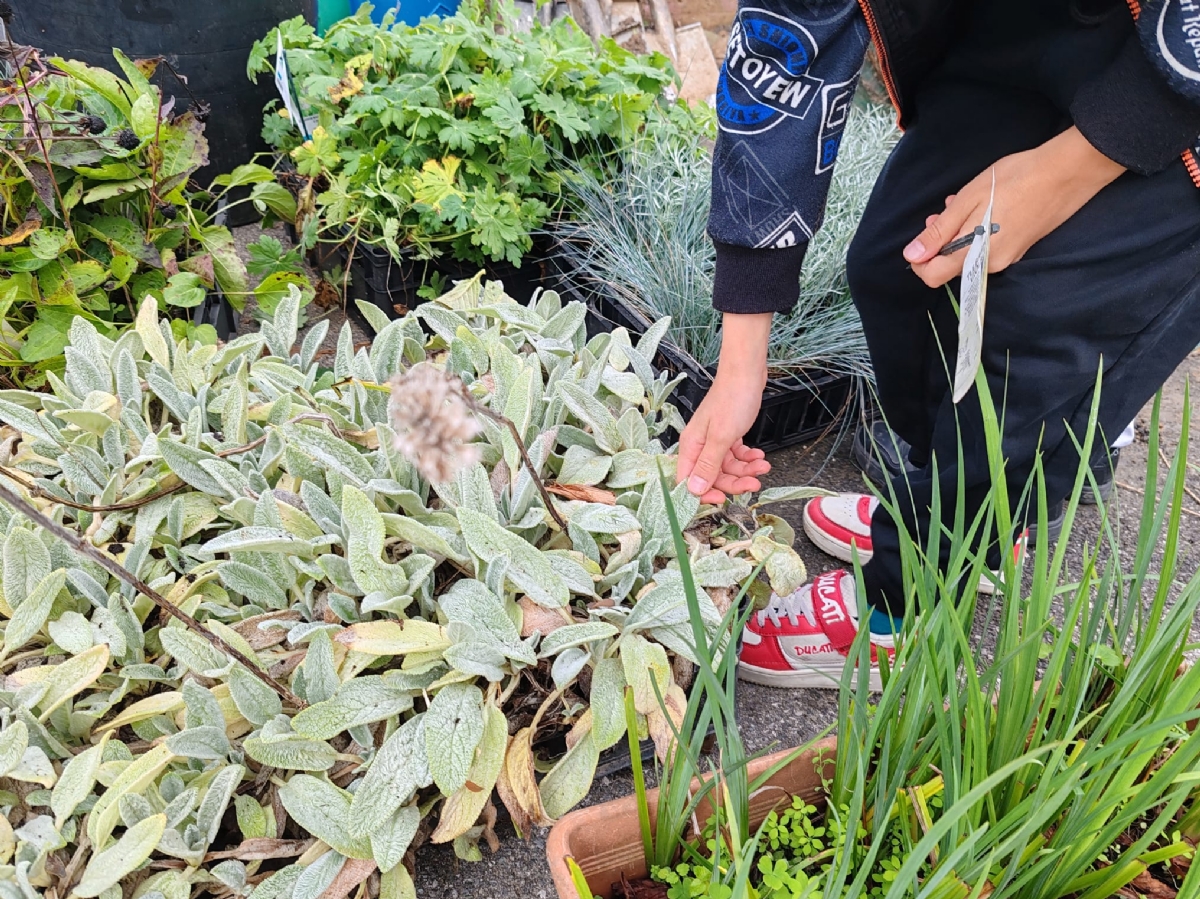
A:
[787,718]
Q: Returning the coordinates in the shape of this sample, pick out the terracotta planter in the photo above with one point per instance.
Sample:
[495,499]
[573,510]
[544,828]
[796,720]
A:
[606,841]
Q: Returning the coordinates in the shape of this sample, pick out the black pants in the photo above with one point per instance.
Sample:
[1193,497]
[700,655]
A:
[1117,285]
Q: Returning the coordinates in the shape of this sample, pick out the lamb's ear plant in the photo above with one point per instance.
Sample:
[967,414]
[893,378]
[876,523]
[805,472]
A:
[440,635]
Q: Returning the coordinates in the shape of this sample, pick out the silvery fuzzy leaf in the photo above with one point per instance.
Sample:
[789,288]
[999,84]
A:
[598,518]
[76,781]
[78,477]
[280,333]
[31,614]
[634,432]
[438,541]
[282,883]
[390,841]
[253,584]
[647,345]
[607,702]
[134,808]
[645,664]
[583,541]
[216,799]
[528,569]
[624,384]
[652,513]
[375,317]
[399,769]
[199,743]
[107,868]
[231,872]
[573,568]
[257,702]
[247,345]
[567,666]
[328,451]
[570,780]
[475,492]
[71,631]
[345,353]
[26,564]
[575,635]
[320,674]
[337,570]
[257,539]
[716,569]
[783,565]
[184,461]
[324,811]
[323,509]
[365,546]
[584,467]
[203,710]
[386,351]
[593,413]
[525,490]
[470,601]
[14,740]
[632,468]
[88,586]
[193,652]
[475,657]
[312,343]
[787,495]
[361,700]
[251,817]
[181,806]
[164,386]
[107,627]
[453,729]
[291,752]
[565,323]
[29,422]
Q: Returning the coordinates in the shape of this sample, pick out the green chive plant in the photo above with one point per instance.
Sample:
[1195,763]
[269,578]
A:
[1061,764]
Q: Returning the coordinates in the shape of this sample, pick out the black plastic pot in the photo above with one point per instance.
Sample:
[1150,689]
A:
[392,284]
[217,311]
[795,408]
[207,42]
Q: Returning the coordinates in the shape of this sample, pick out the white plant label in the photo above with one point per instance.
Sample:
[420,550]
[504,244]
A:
[972,300]
[283,84]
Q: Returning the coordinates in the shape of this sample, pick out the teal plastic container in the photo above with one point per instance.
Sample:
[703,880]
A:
[408,12]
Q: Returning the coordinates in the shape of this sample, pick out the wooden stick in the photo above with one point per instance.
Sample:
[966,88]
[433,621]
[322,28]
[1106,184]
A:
[664,24]
[123,574]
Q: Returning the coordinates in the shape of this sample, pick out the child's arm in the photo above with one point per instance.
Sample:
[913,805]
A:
[782,103]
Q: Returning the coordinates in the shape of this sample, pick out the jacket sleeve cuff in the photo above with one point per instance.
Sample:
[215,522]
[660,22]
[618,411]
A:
[750,281]
[1132,116]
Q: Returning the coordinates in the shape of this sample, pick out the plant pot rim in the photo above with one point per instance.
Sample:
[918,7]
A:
[605,839]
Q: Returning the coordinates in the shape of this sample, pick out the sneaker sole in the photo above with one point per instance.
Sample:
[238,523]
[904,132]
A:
[842,551]
[813,677]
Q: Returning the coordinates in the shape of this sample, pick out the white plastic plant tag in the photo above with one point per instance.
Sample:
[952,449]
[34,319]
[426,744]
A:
[283,84]
[972,300]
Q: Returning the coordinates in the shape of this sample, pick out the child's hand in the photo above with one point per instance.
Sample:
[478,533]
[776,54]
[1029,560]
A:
[1036,191]
[712,458]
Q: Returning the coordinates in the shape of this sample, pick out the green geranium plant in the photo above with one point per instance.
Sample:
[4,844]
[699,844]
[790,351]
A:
[455,135]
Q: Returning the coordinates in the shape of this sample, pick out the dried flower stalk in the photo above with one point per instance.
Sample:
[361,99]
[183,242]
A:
[433,416]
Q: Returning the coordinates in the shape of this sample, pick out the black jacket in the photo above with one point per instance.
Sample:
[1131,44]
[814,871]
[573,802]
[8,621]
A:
[792,69]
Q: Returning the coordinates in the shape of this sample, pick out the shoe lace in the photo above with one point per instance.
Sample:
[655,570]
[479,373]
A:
[790,607]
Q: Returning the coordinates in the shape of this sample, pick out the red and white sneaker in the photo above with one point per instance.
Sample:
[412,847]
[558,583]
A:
[841,525]
[802,640]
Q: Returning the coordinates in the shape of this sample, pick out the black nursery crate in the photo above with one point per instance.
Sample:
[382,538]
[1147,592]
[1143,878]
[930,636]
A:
[392,284]
[216,310]
[795,408]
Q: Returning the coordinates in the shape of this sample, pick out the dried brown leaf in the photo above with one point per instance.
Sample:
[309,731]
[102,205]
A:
[583,493]
[353,872]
